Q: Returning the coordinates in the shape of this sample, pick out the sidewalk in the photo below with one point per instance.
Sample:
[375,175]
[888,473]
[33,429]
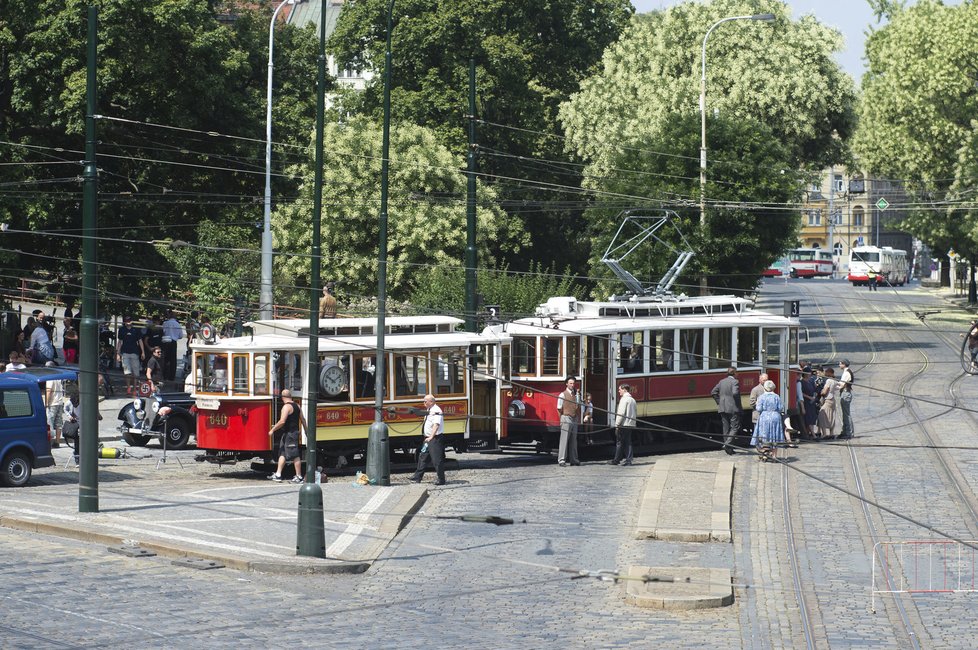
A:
[200,511]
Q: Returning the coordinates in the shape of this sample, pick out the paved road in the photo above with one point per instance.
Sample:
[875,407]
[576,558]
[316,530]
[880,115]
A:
[446,582]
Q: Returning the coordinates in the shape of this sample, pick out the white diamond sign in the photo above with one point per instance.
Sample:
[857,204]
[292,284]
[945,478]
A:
[882,204]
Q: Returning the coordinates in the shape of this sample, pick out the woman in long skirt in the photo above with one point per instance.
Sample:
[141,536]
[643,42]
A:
[769,429]
[826,415]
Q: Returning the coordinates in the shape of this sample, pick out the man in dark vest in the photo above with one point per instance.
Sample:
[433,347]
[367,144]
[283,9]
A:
[569,408]
[289,449]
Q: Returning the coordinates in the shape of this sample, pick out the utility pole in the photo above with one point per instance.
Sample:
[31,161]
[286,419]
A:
[311,532]
[832,216]
[471,259]
[88,334]
[378,464]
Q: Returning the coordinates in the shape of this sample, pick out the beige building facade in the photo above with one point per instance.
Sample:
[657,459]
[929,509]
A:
[839,213]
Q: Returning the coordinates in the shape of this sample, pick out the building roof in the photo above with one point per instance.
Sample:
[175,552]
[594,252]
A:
[309,11]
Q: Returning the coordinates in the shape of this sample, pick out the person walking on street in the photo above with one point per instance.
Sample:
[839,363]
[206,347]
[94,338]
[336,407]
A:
[845,399]
[769,429]
[973,345]
[292,421]
[172,332]
[433,446]
[569,408]
[873,280]
[626,418]
[727,396]
[129,351]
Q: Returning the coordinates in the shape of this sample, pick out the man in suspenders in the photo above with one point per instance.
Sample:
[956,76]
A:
[569,408]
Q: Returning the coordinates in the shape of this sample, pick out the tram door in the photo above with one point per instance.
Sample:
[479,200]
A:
[596,377]
[485,392]
[288,374]
[776,360]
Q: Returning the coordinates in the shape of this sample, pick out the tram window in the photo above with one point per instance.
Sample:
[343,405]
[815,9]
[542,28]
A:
[661,345]
[597,355]
[524,356]
[632,353]
[721,348]
[334,378]
[449,374]
[772,346]
[505,361]
[748,348]
[239,374]
[573,355]
[551,355]
[484,358]
[261,374]
[365,373]
[690,350]
[212,372]
[793,346]
[411,374]
[292,375]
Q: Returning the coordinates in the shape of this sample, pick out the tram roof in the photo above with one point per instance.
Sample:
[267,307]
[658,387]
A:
[345,326]
[340,344]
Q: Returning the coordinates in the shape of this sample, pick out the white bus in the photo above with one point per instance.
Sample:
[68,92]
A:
[889,264]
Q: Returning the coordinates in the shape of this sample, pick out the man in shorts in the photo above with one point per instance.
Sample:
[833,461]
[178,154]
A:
[289,450]
[129,350]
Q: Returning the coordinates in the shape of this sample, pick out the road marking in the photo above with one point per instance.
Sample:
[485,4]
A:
[353,530]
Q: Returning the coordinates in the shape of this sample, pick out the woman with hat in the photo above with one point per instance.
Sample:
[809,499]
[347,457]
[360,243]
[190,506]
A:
[769,429]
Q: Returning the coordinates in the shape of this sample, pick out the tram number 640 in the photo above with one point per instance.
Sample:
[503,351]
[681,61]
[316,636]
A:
[217,419]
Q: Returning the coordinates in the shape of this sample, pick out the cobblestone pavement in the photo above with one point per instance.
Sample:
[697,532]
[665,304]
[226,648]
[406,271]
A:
[445,582]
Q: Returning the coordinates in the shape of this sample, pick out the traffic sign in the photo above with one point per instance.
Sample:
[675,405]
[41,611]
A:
[882,204]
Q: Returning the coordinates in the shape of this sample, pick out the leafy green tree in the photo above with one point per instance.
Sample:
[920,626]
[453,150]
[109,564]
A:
[426,212]
[517,293]
[166,62]
[776,102]
[917,111]
[530,56]
[780,73]
[741,239]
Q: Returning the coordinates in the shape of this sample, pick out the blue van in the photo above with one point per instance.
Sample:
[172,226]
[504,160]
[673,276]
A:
[25,442]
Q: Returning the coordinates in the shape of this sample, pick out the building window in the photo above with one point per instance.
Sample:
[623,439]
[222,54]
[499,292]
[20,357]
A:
[814,217]
[838,184]
[858,215]
[838,248]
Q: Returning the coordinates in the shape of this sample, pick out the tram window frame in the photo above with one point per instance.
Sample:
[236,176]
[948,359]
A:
[662,346]
[208,381]
[691,360]
[773,336]
[529,355]
[367,390]
[748,347]
[341,361]
[720,358]
[239,364]
[505,358]
[633,345]
[447,359]
[484,358]
[550,355]
[419,360]
[573,349]
[258,361]
[597,355]
[793,346]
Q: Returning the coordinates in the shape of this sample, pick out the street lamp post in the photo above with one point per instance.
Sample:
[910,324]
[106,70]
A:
[266,299]
[763,17]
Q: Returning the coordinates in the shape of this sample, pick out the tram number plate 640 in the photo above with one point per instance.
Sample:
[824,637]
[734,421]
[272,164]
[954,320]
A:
[217,420]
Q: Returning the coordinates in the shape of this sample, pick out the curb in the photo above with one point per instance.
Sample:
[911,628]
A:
[88,534]
[679,588]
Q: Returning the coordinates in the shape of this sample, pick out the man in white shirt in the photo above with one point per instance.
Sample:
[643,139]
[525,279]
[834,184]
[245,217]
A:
[433,446]
[845,399]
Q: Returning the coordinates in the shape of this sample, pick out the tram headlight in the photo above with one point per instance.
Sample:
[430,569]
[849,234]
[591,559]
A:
[517,409]
[137,403]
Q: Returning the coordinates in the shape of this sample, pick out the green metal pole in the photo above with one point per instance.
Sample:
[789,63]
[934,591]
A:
[378,452]
[471,259]
[88,334]
[311,534]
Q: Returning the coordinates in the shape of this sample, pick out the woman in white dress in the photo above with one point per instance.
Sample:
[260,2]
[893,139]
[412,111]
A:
[828,423]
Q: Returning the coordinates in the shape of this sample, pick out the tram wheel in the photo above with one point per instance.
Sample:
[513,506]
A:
[967,364]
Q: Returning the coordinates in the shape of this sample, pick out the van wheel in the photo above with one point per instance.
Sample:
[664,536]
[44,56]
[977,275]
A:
[177,433]
[16,469]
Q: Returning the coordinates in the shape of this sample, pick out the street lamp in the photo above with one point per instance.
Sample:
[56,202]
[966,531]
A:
[266,299]
[763,17]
